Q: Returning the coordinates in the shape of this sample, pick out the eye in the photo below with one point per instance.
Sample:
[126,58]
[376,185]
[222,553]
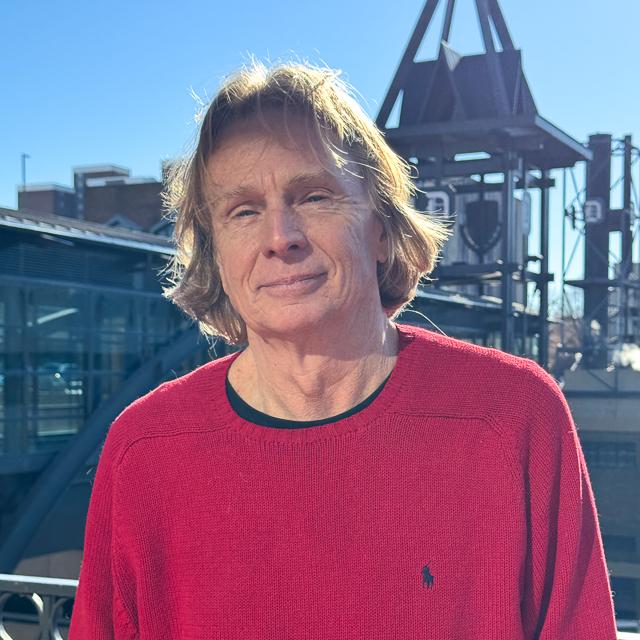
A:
[243,213]
[315,197]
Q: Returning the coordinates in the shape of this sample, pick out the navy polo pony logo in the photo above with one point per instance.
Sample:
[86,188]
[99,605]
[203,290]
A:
[427,578]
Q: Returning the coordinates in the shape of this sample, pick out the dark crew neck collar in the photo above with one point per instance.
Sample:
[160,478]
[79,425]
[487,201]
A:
[248,413]
[385,401]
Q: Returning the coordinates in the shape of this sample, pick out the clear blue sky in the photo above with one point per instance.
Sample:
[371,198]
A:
[88,83]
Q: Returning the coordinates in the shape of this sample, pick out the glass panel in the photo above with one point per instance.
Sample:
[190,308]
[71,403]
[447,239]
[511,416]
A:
[3,365]
[119,340]
[65,349]
[619,547]
[55,343]
[12,367]
[625,597]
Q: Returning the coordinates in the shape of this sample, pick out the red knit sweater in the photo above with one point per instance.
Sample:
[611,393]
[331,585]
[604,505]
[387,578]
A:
[456,506]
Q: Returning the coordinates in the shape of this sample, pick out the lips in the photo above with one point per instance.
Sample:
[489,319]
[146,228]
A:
[292,280]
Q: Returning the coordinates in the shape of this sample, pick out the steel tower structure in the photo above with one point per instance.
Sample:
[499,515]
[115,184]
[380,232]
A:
[455,106]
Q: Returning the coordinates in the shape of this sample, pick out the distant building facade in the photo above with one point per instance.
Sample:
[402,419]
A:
[605,405]
[107,194]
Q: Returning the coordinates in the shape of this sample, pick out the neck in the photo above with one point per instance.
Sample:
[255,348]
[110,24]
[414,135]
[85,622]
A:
[322,375]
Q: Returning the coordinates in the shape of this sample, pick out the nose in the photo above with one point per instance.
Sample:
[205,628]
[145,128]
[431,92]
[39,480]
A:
[283,233]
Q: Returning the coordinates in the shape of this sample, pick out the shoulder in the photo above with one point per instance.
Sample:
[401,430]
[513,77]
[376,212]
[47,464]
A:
[461,377]
[511,395]
[188,400]
[455,357]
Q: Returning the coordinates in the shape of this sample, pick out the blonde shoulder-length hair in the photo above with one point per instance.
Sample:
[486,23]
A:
[348,136]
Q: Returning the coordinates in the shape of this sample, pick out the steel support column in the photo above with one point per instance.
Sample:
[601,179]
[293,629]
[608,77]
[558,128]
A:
[508,226]
[626,260]
[543,339]
[596,295]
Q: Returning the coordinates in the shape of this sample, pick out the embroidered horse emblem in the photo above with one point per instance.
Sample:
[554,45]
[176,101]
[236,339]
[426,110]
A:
[427,578]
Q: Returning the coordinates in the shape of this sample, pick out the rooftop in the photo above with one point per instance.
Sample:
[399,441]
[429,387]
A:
[83,230]
[101,168]
[48,186]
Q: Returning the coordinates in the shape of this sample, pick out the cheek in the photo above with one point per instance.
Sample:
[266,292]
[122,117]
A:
[235,264]
[359,253]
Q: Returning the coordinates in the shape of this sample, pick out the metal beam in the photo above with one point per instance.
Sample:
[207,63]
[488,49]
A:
[461,168]
[469,273]
[500,25]
[610,283]
[495,187]
[627,237]
[543,285]
[405,64]
[446,28]
[508,229]
[517,126]
[563,138]
[482,8]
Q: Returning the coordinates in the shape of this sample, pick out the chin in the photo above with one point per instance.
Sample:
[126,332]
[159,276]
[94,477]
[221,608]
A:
[295,321]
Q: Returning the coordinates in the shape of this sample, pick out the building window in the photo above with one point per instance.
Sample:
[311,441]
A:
[619,547]
[612,455]
[625,597]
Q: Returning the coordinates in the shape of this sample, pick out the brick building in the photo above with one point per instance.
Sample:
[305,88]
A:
[107,194]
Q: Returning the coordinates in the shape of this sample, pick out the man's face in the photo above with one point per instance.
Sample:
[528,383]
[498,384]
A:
[297,241]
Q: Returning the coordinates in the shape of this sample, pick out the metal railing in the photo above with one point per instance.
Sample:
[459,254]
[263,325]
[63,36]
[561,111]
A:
[51,599]
[44,603]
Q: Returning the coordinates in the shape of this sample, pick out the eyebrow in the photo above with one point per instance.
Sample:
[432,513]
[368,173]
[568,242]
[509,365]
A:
[299,180]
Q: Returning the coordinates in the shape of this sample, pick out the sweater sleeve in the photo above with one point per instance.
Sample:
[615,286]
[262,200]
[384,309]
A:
[99,611]
[566,591]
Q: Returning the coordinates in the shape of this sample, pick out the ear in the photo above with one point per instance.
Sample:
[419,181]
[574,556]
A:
[222,279]
[221,273]
[382,243]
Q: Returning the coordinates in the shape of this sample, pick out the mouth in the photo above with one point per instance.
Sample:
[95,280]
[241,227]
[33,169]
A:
[293,281]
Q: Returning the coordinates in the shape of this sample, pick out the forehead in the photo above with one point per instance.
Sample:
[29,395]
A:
[271,143]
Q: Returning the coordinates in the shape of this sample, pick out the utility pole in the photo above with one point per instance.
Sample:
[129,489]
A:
[24,157]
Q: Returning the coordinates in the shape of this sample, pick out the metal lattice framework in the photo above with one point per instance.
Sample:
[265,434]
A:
[458,105]
[609,282]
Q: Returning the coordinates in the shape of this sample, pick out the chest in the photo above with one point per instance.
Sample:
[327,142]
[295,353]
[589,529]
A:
[394,526]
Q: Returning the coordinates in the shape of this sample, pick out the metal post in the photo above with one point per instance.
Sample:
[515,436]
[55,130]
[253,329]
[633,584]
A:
[596,253]
[626,260]
[563,259]
[24,157]
[508,215]
[481,255]
[446,29]
[524,243]
[543,345]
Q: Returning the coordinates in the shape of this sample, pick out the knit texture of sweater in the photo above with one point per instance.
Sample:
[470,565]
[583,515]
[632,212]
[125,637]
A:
[456,506]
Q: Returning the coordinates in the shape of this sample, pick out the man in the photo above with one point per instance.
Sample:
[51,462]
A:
[342,476]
